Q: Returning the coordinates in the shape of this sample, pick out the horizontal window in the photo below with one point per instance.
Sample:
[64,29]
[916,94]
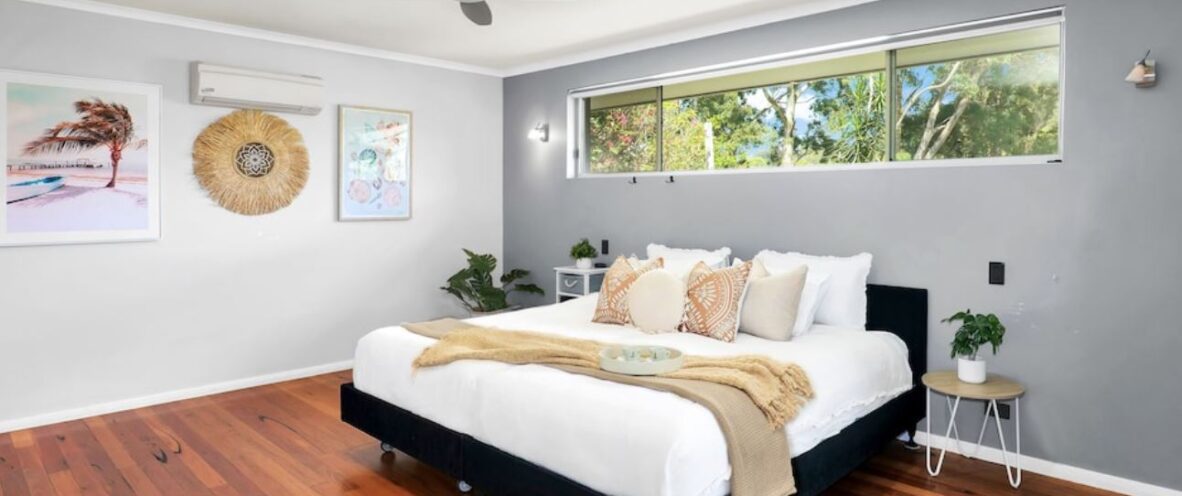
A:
[976,96]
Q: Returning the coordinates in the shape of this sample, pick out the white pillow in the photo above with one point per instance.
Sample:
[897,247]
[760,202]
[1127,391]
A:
[816,284]
[656,301]
[770,302]
[844,303]
[716,259]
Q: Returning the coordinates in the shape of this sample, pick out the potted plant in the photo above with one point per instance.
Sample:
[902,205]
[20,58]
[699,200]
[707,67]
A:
[582,253]
[474,287]
[975,331]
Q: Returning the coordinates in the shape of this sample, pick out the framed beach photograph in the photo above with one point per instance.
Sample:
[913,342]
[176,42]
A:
[82,160]
[374,164]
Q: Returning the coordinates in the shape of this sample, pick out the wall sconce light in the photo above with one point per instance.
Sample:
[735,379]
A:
[1144,73]
[540,132]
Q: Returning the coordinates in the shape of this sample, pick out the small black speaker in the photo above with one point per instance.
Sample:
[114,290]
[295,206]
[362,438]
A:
[603,247]
[997,273]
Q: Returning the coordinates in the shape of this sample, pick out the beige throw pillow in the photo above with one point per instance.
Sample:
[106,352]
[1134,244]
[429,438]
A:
[771,304]
[656,301]
[612,307]
[712,300]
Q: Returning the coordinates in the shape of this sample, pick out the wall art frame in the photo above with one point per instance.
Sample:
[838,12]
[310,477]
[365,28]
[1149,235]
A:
[375,164]
[82,160]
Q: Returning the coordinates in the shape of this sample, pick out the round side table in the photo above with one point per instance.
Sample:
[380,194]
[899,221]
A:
[995,388]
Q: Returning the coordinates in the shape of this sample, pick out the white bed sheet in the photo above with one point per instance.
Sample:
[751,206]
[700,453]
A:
[615,438]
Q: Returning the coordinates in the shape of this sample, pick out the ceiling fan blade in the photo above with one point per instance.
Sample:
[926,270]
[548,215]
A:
[477,12]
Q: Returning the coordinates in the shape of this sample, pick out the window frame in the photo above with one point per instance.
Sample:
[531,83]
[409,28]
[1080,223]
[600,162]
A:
[578,100]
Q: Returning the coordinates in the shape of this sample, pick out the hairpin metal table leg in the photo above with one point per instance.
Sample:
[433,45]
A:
[1014,472]
[955,430]
[947,434]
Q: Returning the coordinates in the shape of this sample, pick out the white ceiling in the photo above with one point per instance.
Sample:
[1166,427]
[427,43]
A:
[525,35]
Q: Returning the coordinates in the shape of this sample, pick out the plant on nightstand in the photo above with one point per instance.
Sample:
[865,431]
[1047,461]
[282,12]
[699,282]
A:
[473,285]
[582,252]
[975,330]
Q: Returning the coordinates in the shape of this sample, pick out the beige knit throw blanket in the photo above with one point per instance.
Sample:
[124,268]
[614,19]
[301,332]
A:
[750,396]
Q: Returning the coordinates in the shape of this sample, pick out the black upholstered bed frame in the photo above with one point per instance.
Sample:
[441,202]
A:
[902,311]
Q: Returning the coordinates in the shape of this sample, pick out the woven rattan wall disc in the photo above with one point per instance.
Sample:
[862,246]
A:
[251,162]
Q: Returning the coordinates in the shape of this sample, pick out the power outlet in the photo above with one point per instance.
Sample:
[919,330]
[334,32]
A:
[1003,410]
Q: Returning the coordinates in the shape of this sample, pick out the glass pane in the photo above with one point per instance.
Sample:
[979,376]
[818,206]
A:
[857,64]
[622,139]
[844,121]
[830,120]
[980,46]
[719,131]
[623,98]
[994,105]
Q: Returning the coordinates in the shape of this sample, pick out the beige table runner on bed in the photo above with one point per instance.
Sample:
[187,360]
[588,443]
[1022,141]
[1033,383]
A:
[751,397]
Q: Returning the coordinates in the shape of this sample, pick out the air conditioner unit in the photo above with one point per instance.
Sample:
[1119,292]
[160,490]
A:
[223,86]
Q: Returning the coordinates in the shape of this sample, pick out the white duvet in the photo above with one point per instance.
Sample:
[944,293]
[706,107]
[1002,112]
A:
[620,439]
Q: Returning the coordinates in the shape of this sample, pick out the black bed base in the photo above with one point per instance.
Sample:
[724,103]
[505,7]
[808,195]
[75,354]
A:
[496,472]
[902,311]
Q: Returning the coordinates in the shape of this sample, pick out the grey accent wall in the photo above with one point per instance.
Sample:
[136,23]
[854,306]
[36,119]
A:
[1091,245]
[225,297]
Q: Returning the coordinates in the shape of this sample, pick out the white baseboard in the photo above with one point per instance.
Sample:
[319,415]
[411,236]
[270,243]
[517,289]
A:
[167,397]
[1053,469]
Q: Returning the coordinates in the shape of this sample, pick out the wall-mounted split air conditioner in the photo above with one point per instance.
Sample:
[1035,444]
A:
[223,86]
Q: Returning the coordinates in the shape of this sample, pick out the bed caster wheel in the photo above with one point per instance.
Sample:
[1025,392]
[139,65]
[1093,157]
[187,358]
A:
[464,487]
[910,443]
[387,448]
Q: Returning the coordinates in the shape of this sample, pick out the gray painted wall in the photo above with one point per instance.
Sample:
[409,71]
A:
[1091,246]
[222,296]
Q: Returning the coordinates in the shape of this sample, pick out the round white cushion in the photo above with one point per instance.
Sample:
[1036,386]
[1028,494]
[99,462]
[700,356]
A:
[656,301]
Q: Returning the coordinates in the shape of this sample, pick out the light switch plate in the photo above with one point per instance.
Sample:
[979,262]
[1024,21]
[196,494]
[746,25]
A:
[997,273]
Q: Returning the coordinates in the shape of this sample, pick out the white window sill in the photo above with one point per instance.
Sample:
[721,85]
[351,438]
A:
[1033,160]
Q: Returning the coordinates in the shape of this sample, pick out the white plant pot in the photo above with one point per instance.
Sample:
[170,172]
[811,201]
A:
[970,371]
[583,263]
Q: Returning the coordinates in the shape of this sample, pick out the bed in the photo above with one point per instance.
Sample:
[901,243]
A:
[531,429]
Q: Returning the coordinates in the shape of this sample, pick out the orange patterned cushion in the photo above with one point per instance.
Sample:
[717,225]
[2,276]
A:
[712,300]
[613,302]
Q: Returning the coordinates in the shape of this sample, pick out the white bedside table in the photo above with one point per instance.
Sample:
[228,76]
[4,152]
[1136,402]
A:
[573,282]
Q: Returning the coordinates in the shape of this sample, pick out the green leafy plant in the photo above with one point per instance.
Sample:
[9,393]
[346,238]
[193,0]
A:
[474,287]
[583,249]
[975,330]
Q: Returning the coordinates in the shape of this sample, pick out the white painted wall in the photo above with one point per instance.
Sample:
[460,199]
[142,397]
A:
[223,297]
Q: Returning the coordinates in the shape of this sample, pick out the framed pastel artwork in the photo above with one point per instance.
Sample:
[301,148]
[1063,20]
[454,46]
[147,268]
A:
[375,164]
[82,160]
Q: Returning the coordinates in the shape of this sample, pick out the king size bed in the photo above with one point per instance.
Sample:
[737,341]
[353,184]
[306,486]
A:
[533,429]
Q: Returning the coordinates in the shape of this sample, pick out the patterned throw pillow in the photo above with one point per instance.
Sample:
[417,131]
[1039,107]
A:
[613,295]
[713,299]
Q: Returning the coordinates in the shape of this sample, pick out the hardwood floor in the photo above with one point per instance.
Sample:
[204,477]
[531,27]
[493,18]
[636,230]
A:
[287,439]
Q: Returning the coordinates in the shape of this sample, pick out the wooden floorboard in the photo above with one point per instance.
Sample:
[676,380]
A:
[287,439]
